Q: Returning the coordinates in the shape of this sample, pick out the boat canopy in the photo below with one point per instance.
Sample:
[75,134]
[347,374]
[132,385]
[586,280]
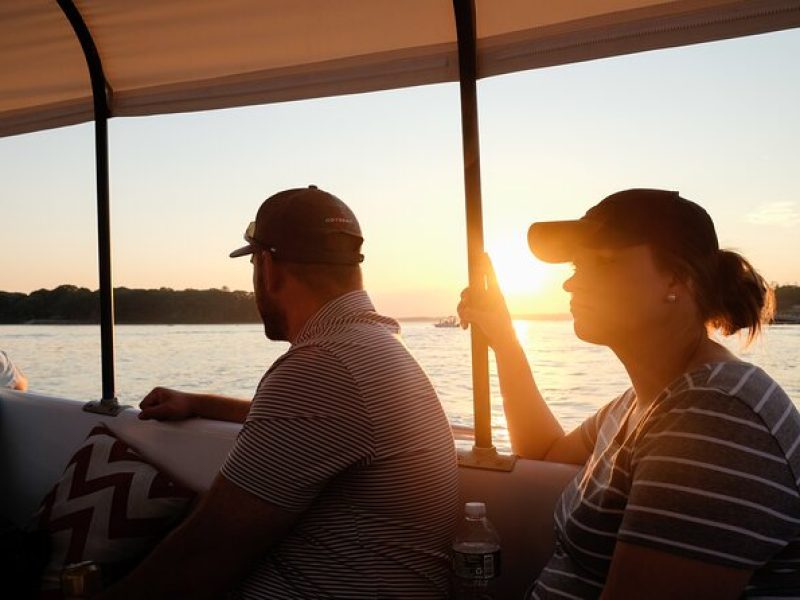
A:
[64,62]
[167,56]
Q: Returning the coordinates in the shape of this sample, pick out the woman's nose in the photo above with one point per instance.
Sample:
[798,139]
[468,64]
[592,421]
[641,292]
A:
[569,284]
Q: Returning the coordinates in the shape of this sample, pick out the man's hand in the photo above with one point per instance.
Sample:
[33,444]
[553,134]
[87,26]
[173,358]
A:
[164,404]
[488,311]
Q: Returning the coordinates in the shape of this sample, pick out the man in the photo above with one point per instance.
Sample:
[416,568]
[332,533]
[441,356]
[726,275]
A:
[10,376]
[343,480]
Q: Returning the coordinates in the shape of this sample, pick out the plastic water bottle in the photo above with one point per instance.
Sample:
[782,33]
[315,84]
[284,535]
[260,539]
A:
[476,555]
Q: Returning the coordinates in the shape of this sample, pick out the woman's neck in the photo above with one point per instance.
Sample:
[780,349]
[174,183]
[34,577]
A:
[653,363]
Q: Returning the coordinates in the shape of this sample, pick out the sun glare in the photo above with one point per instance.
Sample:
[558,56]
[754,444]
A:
[518,272]
[530,286]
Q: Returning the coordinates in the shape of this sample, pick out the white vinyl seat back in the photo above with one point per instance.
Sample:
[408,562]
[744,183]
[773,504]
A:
[39,434]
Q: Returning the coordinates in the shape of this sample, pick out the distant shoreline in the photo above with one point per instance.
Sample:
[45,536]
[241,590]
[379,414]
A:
[71,305]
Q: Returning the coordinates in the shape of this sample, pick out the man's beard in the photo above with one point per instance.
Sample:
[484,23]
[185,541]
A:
[274,320]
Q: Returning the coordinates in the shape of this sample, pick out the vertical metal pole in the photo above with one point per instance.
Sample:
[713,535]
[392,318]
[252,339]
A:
[104,259]
[108,404]
[467,64]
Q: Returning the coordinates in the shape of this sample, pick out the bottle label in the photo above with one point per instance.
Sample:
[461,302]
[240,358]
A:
[476,566]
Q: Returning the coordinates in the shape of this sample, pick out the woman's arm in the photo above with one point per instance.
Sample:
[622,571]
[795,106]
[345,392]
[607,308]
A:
[641,572]
[533,429]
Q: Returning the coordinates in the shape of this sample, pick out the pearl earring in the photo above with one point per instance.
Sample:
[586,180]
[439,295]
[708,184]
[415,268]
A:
[671,298]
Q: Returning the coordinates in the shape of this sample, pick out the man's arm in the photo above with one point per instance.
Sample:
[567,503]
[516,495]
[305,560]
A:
[211,551]
[164,404]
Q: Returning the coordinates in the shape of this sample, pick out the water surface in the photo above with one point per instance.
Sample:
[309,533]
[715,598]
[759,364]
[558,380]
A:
[576,378]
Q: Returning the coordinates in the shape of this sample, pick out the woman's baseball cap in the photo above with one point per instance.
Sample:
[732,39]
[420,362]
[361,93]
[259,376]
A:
[639,216]
[300,225]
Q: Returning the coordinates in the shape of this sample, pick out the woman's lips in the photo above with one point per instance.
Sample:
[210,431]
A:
[578,306]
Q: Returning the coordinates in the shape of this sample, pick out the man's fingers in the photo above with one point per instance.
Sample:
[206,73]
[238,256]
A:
[154,396]
[147,413]
[159,412]
[154,405]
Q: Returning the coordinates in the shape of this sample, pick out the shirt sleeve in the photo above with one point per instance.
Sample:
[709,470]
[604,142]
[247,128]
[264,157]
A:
[8,374]
[307,424]
[590,428]
[710,482]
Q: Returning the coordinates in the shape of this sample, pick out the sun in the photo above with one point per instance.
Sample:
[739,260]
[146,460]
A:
[518,272]
[529,285]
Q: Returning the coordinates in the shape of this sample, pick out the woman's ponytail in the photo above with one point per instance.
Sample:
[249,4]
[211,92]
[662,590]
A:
[737,297]
[730,294]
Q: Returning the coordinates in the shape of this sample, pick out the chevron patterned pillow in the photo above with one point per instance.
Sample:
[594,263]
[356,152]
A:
[110,506]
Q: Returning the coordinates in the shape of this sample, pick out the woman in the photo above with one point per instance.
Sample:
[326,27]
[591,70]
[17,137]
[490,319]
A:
[690,480]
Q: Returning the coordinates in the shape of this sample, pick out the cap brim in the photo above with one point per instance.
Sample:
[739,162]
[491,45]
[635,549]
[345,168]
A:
[243,251]
[557,241]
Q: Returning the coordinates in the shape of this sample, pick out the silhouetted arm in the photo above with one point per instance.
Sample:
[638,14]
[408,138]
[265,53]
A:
[164,404]
[211,551]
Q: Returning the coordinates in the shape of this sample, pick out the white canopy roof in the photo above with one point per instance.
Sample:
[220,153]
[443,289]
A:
[162,56]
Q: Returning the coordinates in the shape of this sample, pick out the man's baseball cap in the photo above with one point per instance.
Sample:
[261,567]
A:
[300,225]
[639,216]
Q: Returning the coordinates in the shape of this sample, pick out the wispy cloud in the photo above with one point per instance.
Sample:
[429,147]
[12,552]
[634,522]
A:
[785,214]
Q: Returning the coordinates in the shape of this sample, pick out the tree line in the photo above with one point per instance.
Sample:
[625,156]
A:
[72,304]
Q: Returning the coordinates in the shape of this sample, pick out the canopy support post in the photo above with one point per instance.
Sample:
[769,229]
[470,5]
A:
[109,404]
[483,454]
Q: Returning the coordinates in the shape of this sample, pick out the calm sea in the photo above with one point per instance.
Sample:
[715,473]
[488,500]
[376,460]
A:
[576,378]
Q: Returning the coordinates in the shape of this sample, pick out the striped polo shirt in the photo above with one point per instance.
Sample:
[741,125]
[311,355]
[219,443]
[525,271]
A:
[709,473]
[346,429]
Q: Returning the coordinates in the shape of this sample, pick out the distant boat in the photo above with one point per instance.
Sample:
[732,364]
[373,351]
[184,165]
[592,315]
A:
[447,322]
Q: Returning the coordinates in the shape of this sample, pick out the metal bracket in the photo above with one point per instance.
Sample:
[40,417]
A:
[107,406]
[486,458]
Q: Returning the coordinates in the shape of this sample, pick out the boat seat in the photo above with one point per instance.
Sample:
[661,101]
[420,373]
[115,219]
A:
[39,434]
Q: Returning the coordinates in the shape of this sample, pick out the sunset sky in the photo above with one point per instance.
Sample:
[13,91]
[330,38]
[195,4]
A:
[718,122]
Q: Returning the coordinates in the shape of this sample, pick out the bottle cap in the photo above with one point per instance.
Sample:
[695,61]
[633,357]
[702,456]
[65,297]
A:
[475,510]
[81,580]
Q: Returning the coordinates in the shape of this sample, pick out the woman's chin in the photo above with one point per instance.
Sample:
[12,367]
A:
[588,331]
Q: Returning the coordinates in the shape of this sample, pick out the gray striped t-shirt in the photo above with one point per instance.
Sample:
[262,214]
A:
[346,429]
[710,473]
